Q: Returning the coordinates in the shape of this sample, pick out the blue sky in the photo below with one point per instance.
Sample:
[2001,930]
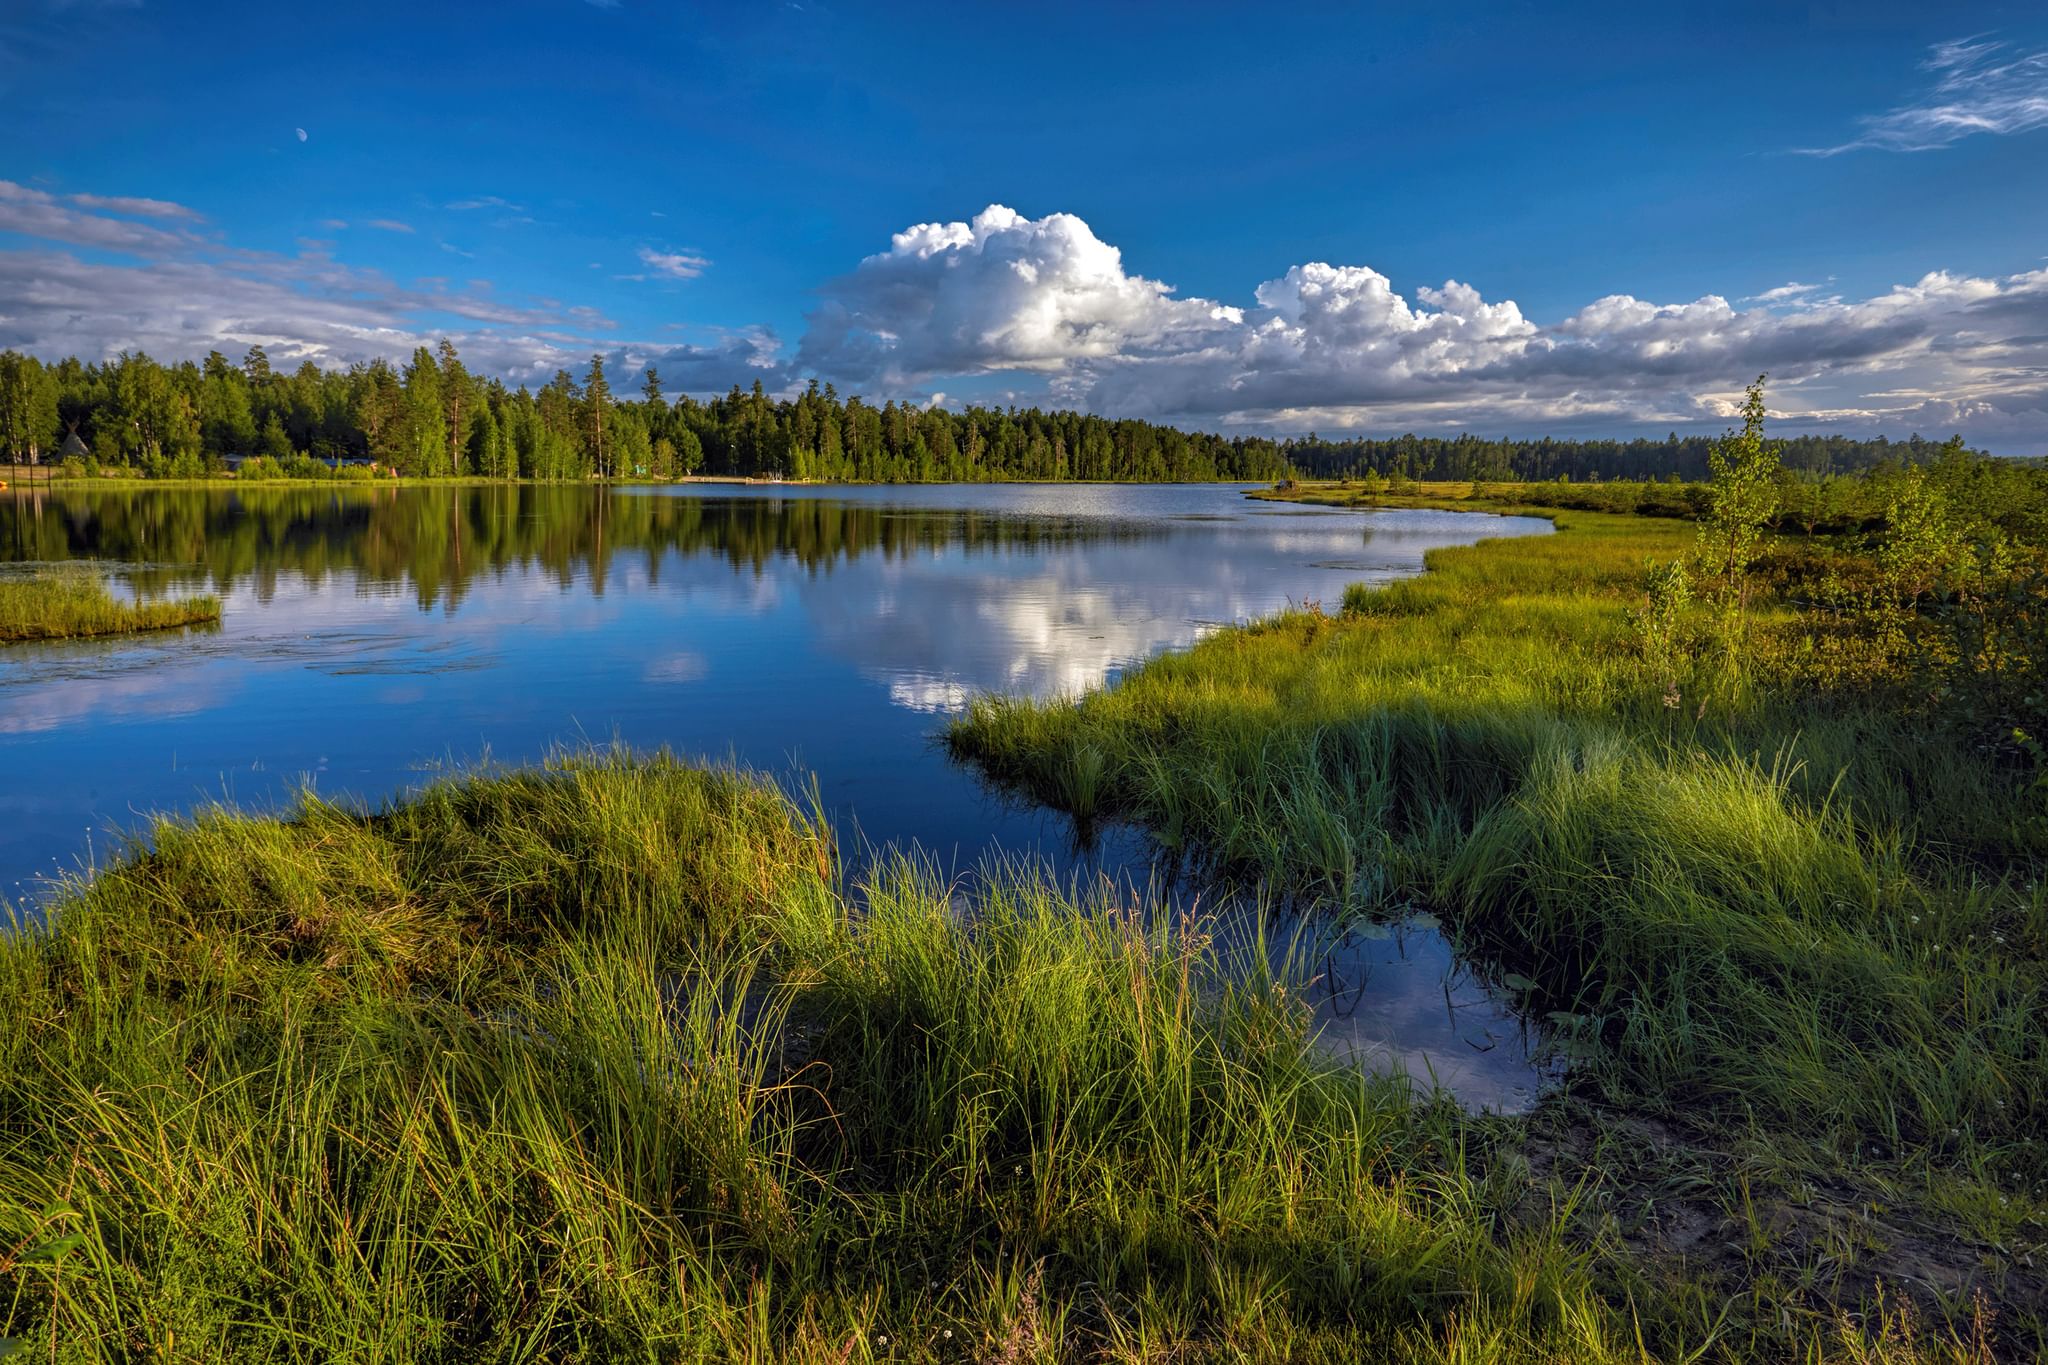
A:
[719,189]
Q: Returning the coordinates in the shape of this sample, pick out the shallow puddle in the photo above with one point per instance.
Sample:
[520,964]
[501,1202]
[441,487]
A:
[1395,998]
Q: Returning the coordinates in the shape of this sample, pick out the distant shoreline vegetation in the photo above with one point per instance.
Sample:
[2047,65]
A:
[430,418]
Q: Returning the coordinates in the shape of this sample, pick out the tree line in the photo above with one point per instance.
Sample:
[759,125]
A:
[1479,459]
[431,418]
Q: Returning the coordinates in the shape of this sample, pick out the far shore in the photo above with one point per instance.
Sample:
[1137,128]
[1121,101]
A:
[21,478]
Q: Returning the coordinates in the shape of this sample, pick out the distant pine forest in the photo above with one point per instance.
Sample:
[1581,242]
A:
[432,418]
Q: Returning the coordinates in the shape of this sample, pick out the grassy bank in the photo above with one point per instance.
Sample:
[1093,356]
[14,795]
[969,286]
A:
[69,603]
[599,1063]
[1795,935]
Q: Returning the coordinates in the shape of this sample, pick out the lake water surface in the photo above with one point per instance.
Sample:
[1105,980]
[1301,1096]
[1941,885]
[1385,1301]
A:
[372,637]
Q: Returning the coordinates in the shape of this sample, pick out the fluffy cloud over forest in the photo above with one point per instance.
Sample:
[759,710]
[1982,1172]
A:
[1044,309]
[1338,346]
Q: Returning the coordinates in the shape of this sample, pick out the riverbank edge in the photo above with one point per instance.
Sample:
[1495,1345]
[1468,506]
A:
[65,483]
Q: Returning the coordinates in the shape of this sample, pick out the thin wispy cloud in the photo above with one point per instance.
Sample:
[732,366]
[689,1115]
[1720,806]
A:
[38,213]
[388,225]
[1790,292]
[137,207]
[486,201]
[674,265]
[1981,85]
[233,276]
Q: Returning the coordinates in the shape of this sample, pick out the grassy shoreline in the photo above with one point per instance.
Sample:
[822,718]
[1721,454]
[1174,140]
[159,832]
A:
[69,604]
[1800,939]
[601,1062]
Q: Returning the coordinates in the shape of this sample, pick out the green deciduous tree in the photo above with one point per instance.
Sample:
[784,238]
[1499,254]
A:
[425,449]
[1742,503]
[227,425]
[28,408]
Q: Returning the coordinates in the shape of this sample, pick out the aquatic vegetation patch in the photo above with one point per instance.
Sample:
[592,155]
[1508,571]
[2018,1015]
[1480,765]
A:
[66,603]
[600,1061]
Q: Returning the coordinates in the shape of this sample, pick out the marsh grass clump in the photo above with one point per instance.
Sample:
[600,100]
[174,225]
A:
[600,1061]
[59,604]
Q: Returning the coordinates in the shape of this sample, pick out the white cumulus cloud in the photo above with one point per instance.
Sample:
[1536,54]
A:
[1000,292]
[1047,311]
[1339,346]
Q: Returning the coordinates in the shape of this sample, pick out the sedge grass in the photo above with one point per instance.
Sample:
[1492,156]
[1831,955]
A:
[599,1063]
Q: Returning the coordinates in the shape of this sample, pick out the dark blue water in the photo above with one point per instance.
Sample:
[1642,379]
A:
[373,638]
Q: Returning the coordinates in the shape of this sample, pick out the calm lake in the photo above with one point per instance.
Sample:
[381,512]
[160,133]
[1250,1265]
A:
[374,637]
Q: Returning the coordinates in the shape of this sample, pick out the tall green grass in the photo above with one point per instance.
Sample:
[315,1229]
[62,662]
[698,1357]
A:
[1813,928]
[601,1062]
[67,603]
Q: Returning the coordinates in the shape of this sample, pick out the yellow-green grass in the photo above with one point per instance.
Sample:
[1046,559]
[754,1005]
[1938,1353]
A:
[1813,932]
[67,603]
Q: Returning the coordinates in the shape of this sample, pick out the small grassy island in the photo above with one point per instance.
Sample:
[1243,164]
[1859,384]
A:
[68,604]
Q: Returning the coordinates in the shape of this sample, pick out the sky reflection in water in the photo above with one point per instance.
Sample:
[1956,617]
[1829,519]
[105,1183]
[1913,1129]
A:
[373,637]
